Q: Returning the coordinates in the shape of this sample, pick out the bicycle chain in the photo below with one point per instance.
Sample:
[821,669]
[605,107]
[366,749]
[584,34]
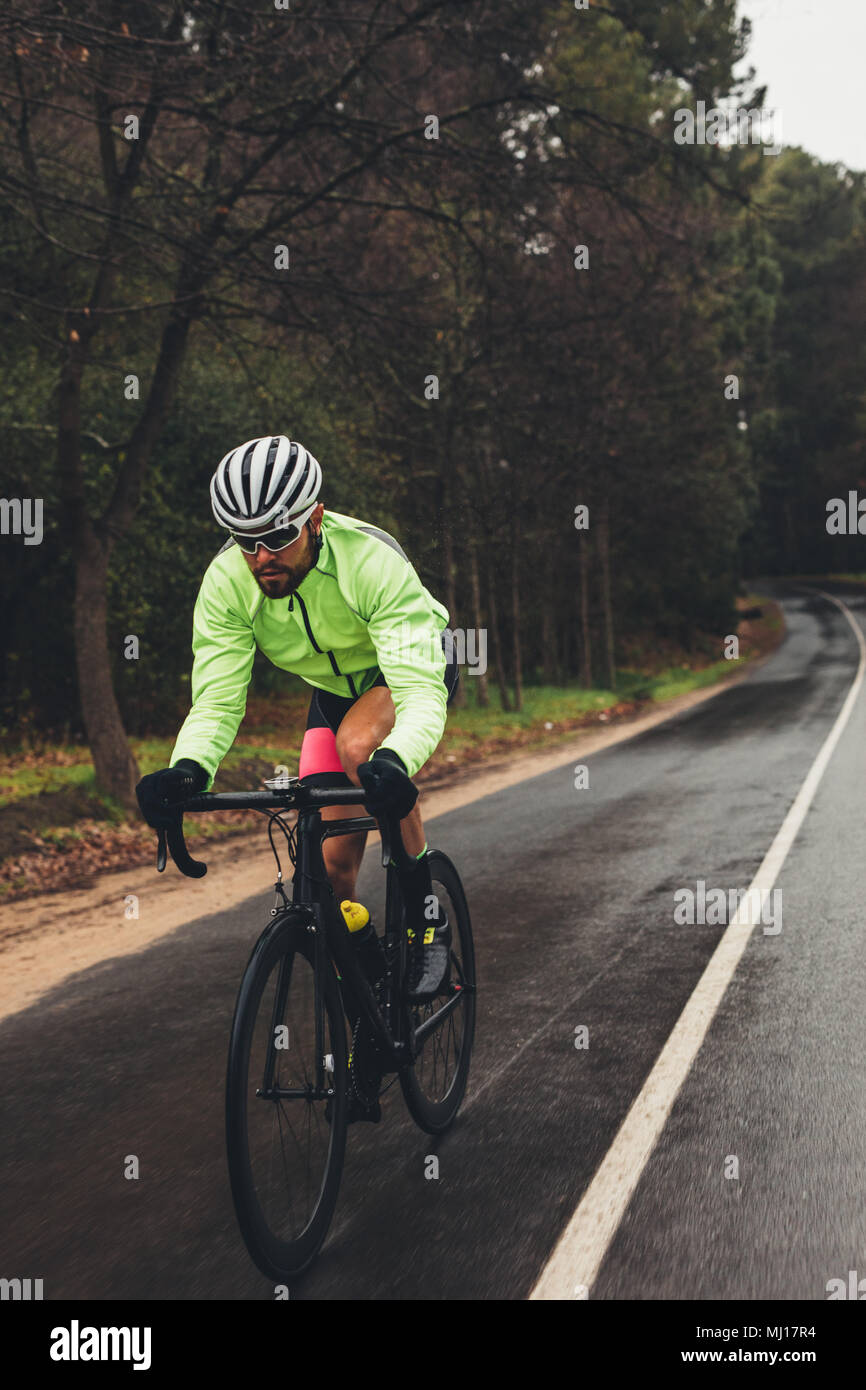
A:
[365,1069]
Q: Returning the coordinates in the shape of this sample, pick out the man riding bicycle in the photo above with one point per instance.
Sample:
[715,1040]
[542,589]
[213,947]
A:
[336,601]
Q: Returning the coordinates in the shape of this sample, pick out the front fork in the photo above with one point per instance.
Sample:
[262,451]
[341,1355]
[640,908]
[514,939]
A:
[397,951]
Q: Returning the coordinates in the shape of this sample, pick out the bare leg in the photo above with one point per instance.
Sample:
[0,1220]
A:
[370,719]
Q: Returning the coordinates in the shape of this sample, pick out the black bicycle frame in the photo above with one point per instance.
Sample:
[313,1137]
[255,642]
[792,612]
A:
[402,1043]
[312,890]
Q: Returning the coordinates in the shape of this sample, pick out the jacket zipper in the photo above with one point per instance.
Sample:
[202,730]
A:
[330,655]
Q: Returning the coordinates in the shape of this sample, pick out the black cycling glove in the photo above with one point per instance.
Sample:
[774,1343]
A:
[159,792]
[388,786]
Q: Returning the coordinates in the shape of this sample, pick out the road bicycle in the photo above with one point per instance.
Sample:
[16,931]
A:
[312,1034]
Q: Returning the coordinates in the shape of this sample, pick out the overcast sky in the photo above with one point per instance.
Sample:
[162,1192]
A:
[812,55]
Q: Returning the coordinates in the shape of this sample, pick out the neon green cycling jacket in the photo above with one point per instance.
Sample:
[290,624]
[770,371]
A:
[361,609]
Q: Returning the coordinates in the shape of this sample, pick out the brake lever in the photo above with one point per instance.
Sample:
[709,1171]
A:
[385,837]
[173,841]
[193,868]
[389,830]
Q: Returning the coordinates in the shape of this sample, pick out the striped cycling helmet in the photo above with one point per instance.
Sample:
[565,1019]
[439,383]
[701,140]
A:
[265,483]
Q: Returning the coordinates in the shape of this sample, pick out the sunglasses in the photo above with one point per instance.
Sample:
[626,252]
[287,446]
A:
[271,540]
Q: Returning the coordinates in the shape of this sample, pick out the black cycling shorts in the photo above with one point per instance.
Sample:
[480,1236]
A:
[319,756]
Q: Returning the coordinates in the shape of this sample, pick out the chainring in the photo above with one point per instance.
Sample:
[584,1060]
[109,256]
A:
[365,1064]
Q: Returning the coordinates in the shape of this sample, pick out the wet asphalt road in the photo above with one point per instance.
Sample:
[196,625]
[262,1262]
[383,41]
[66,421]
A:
[571,894]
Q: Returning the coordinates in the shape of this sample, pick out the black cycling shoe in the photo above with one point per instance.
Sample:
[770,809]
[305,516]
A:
[429,969]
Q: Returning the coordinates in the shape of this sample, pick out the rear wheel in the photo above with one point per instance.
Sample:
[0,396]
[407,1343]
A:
[286,1098]
[434,1085]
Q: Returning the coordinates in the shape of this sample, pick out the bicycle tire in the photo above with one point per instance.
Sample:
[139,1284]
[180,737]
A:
[287,940]
[436,1114]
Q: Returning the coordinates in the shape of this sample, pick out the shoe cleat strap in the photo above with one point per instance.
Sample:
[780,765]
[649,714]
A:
[429,935]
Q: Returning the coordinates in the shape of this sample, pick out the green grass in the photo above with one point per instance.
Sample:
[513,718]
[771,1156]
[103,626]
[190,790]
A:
[816,580]
[32,780]
[679,680]
[559,705]
[839,578]
[472,723]
[25,780]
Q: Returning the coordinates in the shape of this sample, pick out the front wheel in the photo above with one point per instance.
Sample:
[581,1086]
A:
[286,1098]
[433,1087]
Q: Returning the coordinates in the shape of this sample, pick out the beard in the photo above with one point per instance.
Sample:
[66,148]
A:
[277,586]
[283,579]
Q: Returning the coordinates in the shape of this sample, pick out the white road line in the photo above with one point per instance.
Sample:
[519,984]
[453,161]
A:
[576,1260]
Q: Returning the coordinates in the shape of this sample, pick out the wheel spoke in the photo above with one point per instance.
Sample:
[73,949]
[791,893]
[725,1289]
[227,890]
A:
[288,1139]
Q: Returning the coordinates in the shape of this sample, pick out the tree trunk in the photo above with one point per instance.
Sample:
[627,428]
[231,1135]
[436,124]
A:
[549,665]
[481,691]
[607,607]
[790,547]
[459,700]
[515,616]
[585,634]
[451,598]
[504,697]
[486,462]
[564,677]
[115,767]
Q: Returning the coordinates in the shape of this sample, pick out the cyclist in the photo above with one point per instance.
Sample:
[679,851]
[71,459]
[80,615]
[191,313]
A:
[336,601]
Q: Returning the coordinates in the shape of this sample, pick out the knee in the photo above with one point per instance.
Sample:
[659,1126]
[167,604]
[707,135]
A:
[353,750]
